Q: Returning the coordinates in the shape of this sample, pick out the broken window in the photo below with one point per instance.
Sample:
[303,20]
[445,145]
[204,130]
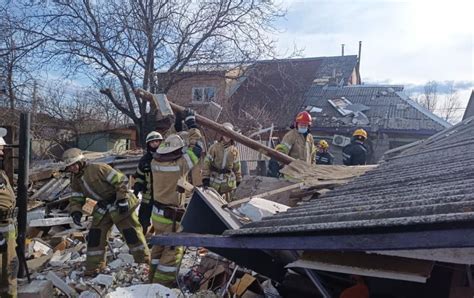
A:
[204,94]
[341,104]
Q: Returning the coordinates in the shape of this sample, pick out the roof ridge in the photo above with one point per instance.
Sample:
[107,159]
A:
[423,110]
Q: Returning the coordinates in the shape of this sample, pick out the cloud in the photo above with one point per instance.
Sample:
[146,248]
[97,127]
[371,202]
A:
[404,41]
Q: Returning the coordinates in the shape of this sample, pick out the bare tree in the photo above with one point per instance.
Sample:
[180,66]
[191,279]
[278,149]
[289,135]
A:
[71,113]
[429,99]
[120,44]
[17,62]
[451,105]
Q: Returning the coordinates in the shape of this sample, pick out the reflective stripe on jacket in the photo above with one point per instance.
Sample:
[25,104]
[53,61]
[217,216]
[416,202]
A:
[99,182]
[166,176]
[222,167]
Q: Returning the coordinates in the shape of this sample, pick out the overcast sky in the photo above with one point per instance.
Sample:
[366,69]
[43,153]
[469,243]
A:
[403,42]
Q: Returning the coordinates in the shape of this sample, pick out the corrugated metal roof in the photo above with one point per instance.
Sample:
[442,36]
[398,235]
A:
[278,86]
[432,183]
[389,107]
[469,112]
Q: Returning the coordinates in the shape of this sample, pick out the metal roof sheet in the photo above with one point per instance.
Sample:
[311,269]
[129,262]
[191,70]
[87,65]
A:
[432,183]
[389,107]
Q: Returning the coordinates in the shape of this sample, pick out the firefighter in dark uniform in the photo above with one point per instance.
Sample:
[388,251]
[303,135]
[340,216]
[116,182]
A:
[143,179]
[9,260]
[355,153]
[323,157]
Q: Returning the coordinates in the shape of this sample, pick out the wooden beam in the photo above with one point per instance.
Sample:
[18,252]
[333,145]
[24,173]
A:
[330,242]
[283,158]
[360,263]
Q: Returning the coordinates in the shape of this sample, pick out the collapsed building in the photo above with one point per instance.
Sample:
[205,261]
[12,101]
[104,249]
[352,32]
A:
[404,225]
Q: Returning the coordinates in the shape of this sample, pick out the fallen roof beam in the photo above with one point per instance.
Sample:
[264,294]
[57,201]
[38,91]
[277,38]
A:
[347,242]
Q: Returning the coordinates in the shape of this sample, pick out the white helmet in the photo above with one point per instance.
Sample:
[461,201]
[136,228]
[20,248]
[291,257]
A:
[154,136]
[3,132]
[71,156]
[228,125]
[185,136]
[172,143]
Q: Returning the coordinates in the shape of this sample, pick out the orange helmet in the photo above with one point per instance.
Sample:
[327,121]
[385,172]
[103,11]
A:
[303,118]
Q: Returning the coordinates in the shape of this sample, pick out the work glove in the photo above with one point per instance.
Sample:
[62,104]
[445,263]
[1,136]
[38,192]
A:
[178,122]
[189,118]
[206,182]
[76,218]
[180,189]
[274,168]
[122,206]
[197,150]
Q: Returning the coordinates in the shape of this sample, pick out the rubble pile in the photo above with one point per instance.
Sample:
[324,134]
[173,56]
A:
[58,256]
[56,248]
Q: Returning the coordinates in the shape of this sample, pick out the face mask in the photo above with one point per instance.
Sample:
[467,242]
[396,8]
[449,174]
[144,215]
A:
[302,130]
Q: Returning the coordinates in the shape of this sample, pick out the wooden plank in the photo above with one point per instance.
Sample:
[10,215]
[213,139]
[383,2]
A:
[461,255]
[336,242]
[367,265]
[300,171]
[41,175]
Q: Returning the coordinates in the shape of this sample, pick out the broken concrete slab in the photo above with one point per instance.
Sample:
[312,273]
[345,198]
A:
[127,258]
[59,258]
[36,289]
[116,264]
[40,246]
[89,294]
[35,214]
[103,279]
[148,290]
[61,285]
[37,264]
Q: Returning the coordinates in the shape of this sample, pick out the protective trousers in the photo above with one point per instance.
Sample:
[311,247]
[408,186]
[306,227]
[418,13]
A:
[164,259]
[131,231]
[9,260]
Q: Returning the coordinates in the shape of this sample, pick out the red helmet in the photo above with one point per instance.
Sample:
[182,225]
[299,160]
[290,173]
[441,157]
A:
[303,118]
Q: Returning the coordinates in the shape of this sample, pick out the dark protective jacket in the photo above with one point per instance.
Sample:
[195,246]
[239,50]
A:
[143,178]
[354,154]
[324,158]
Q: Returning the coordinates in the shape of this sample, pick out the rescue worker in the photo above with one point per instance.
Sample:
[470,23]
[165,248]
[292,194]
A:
[355,153]
[172,162]
[323,157]
[194,139]
[115,205]
[297,143]
[8,283]
[222,166]
[143,179]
